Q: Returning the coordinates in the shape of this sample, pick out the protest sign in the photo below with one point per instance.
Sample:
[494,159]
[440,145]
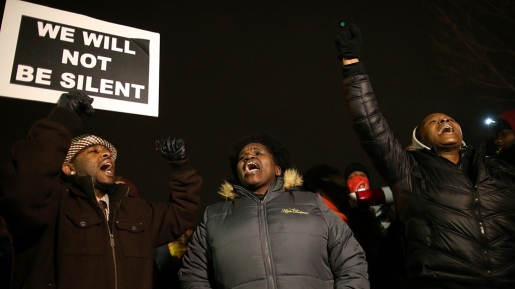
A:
[47,51]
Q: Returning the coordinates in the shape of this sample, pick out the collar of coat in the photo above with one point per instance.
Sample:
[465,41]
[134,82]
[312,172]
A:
[83,187]
[291,178]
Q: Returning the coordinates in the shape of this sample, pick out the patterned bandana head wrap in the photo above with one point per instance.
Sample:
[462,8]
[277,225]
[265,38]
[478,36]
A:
[82,141]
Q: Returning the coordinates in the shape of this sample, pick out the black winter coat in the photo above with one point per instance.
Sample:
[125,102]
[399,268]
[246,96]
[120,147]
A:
[460,219]
[60,236]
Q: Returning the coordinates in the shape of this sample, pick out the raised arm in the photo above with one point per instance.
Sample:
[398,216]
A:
[376,138]
[182,210]
[28,195]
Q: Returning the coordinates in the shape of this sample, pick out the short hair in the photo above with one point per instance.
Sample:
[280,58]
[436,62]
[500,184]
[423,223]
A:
[317,177]
[281,156]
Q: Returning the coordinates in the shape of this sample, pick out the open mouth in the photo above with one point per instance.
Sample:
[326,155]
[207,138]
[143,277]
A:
[446,129]
[251,167]
[107,167]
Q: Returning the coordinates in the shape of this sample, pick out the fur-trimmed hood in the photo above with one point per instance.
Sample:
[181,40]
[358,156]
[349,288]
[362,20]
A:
[291,178]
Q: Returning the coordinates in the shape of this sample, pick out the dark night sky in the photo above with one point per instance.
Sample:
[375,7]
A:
[230,68]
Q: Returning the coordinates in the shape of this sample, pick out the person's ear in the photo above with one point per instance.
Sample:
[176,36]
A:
[278,171]
[319,192]
[68,169]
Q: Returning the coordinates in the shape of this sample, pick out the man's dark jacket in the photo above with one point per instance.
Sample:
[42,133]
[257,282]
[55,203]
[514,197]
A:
[460,219]
[60,236]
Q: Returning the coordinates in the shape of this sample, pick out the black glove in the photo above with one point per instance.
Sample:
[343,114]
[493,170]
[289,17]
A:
[348,42]
[77,102]
[172,148]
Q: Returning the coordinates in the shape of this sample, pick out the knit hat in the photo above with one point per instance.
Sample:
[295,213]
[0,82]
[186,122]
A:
[355,167]
[82,141]
[505,120]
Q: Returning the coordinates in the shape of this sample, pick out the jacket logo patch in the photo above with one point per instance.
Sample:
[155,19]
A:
[293,211]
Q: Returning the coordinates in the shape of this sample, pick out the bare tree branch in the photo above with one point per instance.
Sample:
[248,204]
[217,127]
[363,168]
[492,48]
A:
[474,41]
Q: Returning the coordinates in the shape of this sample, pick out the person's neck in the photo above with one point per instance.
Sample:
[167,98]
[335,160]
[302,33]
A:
[261,191]
[451,155]
[99,194]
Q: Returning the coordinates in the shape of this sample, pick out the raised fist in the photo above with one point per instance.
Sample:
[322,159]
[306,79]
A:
[348,42]
[77,102]
[172,148]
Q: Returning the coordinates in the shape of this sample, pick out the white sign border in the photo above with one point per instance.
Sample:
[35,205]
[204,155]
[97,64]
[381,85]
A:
[14,9]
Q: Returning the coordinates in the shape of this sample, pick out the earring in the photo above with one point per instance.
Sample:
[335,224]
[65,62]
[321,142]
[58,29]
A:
[72,173]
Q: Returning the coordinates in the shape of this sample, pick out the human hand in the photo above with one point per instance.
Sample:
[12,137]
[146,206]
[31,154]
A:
[77,102]
[172,148]
[348,42]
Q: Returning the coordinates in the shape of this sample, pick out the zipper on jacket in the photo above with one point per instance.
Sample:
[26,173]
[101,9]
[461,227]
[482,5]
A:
[265,241]
[264,237]
[111,239]
[477,163]
[110,227]
[484,241]
[477,211]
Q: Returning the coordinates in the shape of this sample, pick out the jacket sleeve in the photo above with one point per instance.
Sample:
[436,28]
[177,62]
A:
[196,268]
[181,213]
[346,257]
[389,157]
[30,184]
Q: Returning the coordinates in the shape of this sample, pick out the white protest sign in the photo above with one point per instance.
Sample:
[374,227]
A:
[45,52]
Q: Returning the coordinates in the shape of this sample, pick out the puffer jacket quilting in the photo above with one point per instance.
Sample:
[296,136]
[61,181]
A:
[290,239]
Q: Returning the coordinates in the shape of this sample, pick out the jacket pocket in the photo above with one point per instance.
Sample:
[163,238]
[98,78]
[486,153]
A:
[83,234]
[134,237]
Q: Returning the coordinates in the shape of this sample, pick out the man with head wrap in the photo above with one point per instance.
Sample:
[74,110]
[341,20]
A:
[71,225]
